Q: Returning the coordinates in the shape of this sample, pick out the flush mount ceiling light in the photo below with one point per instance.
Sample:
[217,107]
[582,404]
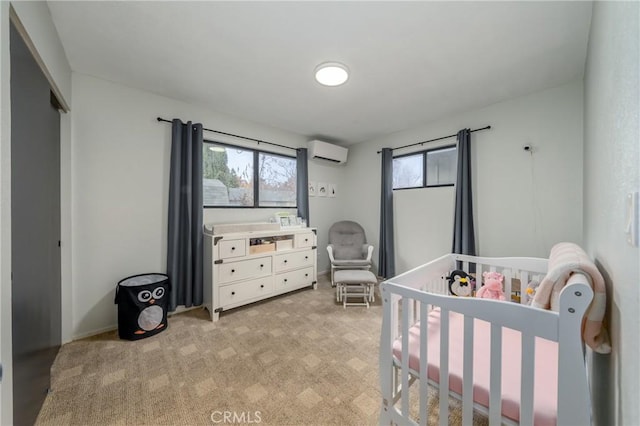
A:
[332,74]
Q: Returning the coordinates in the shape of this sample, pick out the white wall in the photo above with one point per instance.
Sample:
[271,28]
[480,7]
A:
[324,210]
[523,203]
[120,176]
[612,170]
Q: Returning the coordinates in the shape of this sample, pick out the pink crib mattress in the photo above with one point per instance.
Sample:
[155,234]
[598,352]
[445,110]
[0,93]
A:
[546,365]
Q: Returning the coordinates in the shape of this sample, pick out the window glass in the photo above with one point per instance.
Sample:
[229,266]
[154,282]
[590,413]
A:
[408,171]
[441,166]
[277,180]
[228,176]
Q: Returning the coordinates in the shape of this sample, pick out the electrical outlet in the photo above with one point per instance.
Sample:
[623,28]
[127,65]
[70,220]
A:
[633,219]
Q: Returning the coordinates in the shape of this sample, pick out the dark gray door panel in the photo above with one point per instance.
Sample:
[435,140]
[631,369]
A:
[35,229]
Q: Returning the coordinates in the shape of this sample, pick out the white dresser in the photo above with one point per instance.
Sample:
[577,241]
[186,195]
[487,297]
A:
[242,267]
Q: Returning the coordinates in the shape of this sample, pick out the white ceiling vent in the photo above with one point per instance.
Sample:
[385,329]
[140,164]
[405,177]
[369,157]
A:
[327,151]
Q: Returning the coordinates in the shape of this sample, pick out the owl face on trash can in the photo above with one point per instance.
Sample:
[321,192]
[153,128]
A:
[150,317]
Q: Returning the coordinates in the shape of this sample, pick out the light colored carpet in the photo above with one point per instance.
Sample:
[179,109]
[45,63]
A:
[298,359]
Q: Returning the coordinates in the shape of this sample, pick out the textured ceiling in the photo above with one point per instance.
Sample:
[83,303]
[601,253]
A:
[410,62]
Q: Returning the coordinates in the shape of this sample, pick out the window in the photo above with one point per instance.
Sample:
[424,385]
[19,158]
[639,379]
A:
[408,171]
[436,167]
[441,166]
[242,177]
[277,180]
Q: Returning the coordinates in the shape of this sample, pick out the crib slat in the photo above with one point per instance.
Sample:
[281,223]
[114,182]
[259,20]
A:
[495,381]
[507,284]
[479,267]
[444,367]
[524,281]
[467,372]
[394,301]
[412,311]
[527,379]
[405,356]
[424,385]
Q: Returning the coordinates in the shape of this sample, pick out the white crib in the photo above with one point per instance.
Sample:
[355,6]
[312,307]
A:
[427,334]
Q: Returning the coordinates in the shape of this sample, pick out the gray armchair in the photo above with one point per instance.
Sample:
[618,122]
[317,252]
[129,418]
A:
[348,248]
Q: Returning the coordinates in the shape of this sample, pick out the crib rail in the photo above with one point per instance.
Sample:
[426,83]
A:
[431,277]
[409,298]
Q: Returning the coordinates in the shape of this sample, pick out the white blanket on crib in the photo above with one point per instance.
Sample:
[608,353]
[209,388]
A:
[564,260]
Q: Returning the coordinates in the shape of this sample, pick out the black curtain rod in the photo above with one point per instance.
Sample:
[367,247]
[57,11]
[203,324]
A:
[436,139]
[236,136]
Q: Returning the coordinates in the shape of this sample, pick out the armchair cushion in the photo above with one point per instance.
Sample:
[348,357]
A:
[348,240]
[347,252]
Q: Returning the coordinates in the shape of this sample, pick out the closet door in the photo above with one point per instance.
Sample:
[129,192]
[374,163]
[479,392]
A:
[35,229]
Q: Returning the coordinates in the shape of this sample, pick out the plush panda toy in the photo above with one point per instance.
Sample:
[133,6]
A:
[461,283]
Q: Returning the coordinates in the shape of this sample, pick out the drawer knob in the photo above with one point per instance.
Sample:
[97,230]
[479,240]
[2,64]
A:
[233,293]
[306,257]
[261,285]
[233,270]
[233,248]
[306,239]
[285,280]
[285,261]
[262,266]
[306,275]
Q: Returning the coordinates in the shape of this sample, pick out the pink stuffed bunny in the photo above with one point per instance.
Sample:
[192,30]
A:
[492,288]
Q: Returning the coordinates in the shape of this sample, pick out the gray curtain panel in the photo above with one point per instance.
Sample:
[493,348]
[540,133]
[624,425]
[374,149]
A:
[184,247]
[464,241]
[302,182]
[386,259]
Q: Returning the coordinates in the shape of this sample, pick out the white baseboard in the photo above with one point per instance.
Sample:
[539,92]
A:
[93,333]
[180,309]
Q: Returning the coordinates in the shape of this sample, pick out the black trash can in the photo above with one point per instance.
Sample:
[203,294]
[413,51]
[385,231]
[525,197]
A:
[142,305]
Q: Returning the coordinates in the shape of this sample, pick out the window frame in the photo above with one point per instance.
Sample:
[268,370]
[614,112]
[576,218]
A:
[424,166]
[256,176]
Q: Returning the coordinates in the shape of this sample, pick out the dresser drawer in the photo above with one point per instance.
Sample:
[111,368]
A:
[247,290]
[294,279]
[232,248]
[244,269]
[304,240]
[293,260]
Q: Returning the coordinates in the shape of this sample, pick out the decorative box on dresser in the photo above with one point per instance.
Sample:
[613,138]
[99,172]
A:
[244,263]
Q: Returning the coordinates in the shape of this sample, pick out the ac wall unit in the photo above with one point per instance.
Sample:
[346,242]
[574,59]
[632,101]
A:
[327,151]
